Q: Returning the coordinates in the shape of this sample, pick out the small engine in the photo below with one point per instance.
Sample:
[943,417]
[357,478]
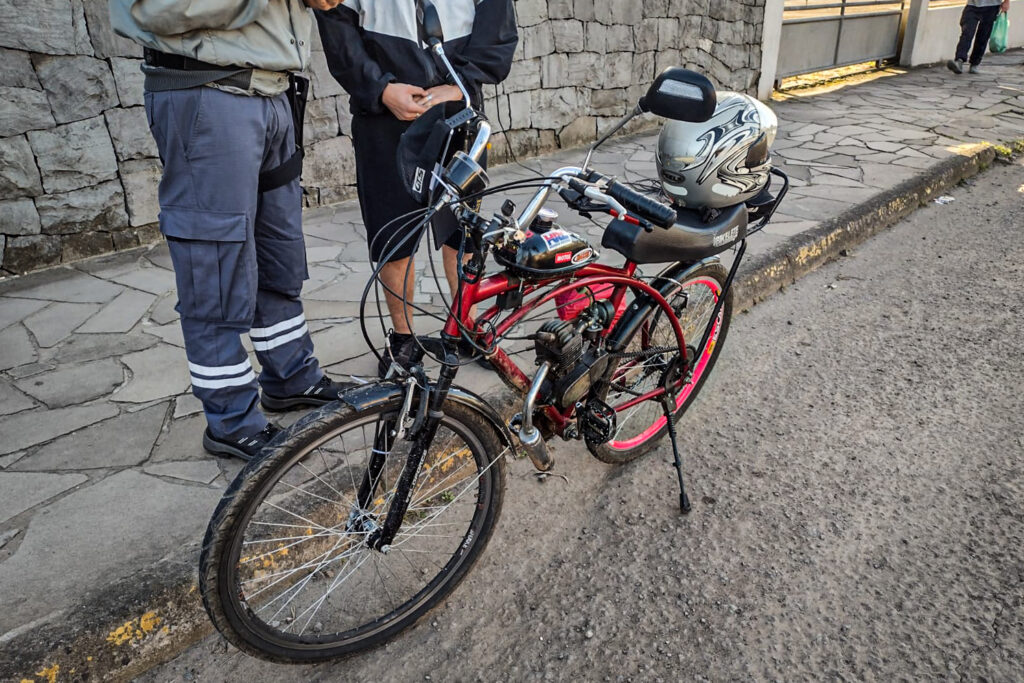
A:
[573,370]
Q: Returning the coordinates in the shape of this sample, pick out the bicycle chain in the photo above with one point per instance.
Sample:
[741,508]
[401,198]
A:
[637,354]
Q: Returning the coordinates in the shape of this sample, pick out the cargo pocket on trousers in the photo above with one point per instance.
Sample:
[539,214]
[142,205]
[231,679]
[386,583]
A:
[214,264]
[282,265]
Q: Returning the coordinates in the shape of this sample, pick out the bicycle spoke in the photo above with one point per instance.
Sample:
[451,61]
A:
[294,590]
[301,539]
[306,569]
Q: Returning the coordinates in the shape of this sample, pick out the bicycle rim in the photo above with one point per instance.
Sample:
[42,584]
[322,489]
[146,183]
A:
[639,424]
[299,582]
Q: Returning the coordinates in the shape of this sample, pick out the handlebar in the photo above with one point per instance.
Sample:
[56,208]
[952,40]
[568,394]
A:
[658,213]
[483,136]
[662,215]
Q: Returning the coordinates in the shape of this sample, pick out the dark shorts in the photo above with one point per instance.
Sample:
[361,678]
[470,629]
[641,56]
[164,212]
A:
[382,195]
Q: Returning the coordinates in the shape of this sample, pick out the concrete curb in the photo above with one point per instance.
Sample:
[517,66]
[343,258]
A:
[115,632]
[120,631]
[767,273]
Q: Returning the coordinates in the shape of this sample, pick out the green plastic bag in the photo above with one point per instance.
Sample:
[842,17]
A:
[997,43]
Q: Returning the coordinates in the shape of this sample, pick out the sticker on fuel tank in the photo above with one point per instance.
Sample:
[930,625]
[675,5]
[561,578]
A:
[555,238]
[582,255]
[564,257]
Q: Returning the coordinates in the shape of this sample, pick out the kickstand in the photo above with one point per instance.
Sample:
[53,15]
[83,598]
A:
[668,405]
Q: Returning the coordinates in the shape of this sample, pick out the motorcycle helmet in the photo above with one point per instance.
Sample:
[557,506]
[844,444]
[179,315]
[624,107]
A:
[719,162]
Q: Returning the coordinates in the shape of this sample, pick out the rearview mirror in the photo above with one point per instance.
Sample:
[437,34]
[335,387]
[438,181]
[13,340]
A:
[680,94]
[431,23]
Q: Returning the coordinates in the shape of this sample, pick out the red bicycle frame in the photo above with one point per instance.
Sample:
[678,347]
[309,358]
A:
[473,293]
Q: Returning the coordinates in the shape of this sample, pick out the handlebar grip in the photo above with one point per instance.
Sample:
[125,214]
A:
[662,215]
[577,186]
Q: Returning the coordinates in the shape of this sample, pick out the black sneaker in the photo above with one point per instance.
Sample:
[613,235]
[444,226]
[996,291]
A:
[401,350]
[246,448]
[321,393]
[955,65]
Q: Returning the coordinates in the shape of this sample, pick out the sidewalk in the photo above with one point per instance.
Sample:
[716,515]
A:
[104,488]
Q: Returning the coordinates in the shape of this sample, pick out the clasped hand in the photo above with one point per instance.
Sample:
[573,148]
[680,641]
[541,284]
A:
[407,102]
[322,5]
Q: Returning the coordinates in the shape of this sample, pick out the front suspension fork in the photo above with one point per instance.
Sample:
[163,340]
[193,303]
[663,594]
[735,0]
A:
[422,435]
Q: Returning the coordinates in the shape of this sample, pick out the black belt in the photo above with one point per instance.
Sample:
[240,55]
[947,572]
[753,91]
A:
[297,93]
[167,60]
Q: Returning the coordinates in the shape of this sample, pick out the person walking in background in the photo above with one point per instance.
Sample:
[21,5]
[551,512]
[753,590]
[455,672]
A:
[376,51]
[222,102]
[976,25]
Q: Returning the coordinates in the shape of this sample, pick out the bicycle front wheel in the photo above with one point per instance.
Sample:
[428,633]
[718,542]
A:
[286,573]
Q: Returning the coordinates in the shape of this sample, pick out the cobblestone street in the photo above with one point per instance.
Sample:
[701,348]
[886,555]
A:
[101,469]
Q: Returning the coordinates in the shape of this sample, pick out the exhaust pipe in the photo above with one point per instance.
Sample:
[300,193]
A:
[530,436]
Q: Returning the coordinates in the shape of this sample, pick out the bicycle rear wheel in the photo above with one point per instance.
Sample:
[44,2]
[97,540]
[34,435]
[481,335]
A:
[639,427]
[285,572]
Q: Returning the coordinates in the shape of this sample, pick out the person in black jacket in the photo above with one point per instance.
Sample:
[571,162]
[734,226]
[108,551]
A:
[375,52]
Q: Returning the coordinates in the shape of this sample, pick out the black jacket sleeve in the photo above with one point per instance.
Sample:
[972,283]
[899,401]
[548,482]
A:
[349,62]
[487,56]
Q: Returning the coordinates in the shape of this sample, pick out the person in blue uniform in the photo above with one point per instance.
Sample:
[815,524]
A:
[220,96]
[375,50]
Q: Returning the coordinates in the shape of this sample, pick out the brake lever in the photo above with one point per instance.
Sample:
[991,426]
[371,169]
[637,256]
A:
[578,202]
[574,200]
[607,204]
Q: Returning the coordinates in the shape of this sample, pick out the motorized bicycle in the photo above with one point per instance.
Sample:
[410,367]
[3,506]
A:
[366,513]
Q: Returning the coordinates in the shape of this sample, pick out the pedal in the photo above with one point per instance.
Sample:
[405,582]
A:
[597,422]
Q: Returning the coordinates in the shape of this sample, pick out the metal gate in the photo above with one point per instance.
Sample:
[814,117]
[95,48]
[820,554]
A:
[817,36]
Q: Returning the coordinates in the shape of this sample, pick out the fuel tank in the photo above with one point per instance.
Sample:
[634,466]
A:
[545,250]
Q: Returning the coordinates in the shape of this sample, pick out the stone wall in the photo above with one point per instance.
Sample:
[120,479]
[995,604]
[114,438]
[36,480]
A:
[78,168]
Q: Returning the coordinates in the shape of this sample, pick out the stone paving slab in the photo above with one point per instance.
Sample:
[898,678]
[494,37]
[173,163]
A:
[68,285]
[200,471]
[109,529]
[153,279]
[121,314]
[170,333]
[164,312]
[20,491]
[122,441]
[11,458]
[185,405]
[156,373]
[12,400]
[29,428]
[81,348]
[16,348]
[73,384]
[146,487]
[181,439]
[15,310]
[57,321]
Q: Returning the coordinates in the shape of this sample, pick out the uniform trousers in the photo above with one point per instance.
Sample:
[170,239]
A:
[238,254]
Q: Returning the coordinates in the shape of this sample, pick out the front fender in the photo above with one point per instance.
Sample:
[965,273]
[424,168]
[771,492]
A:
[370,395]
